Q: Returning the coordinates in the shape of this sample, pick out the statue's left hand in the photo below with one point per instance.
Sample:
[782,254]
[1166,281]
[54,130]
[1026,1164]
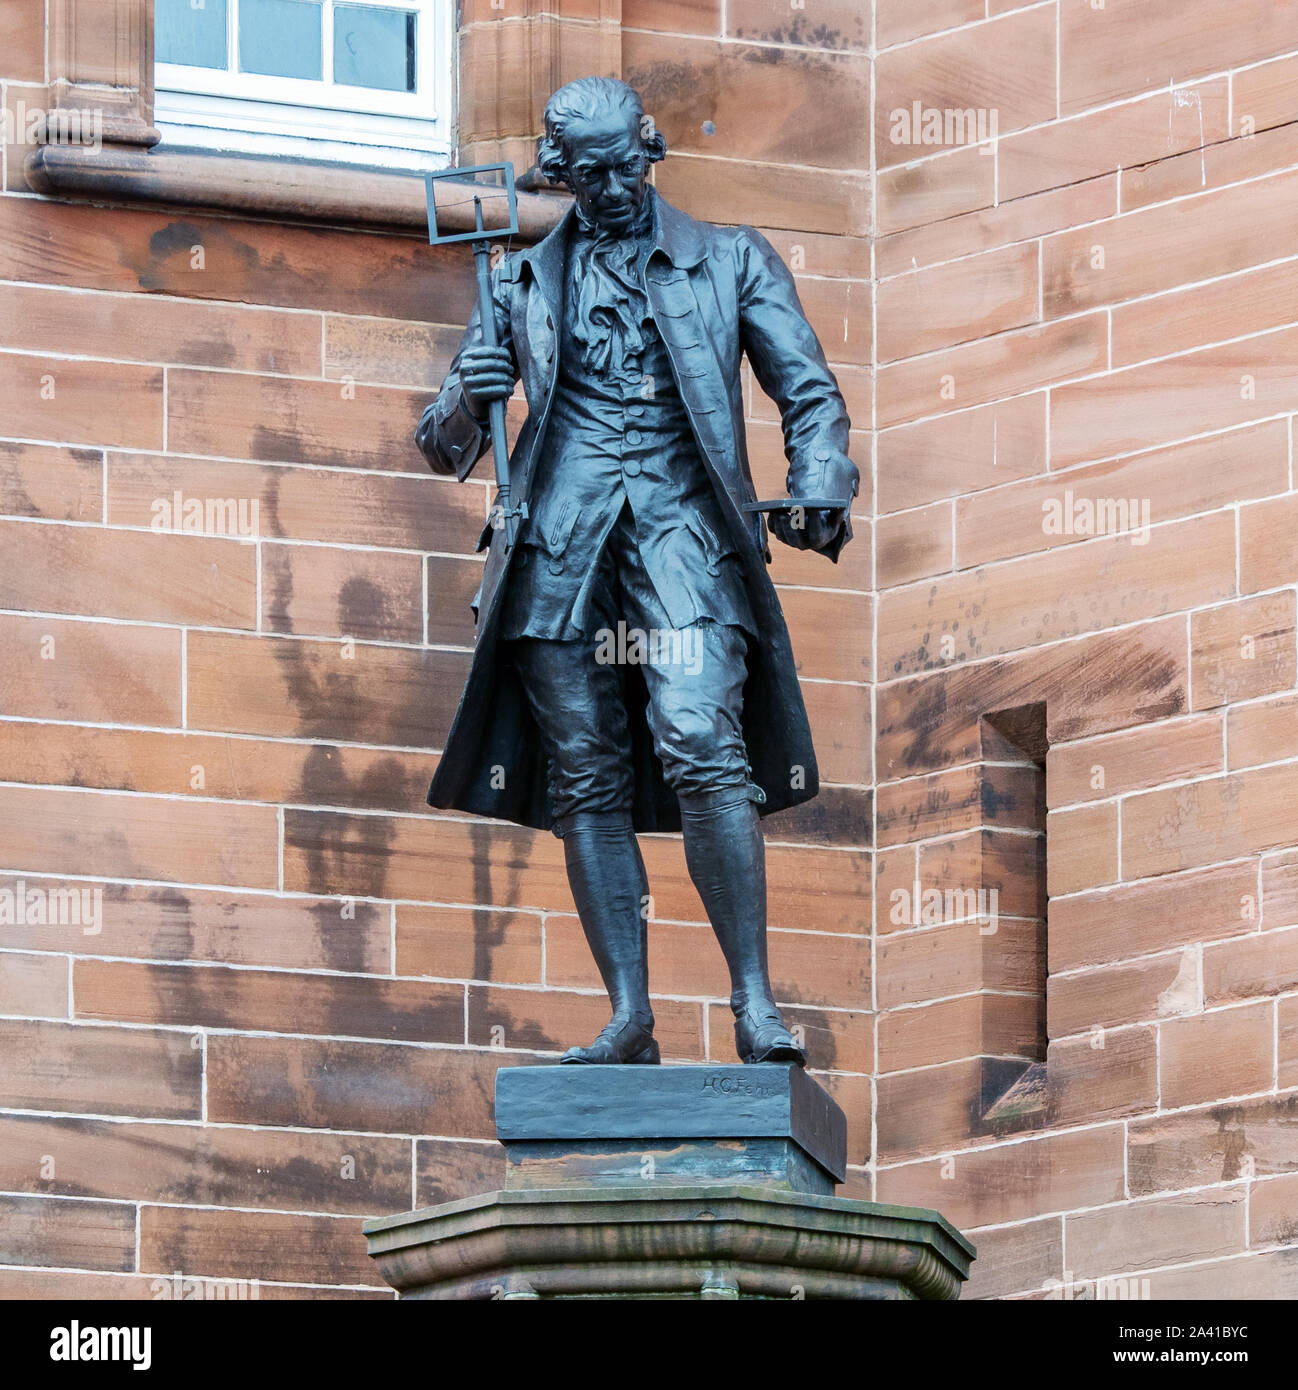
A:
[808,530]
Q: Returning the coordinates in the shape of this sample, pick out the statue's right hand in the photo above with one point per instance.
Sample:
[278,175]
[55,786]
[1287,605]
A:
[486,375]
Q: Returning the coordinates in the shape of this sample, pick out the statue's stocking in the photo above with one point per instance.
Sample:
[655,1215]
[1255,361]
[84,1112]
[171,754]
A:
[726,857]
[607,876]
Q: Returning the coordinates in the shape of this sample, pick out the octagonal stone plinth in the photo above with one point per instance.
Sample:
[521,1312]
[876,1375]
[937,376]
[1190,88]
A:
[708,1241]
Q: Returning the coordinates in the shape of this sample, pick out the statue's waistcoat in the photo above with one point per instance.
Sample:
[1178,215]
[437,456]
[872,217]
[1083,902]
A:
[620,438]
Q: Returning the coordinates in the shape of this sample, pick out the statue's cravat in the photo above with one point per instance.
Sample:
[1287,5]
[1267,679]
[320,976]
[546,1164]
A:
[608,300]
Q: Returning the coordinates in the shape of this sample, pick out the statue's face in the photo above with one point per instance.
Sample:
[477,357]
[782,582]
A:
[607,168]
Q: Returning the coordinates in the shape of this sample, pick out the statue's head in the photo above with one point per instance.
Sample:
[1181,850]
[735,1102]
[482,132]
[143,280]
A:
[600,143]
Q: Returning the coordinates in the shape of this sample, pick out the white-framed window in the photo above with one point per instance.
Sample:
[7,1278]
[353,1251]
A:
[362,81]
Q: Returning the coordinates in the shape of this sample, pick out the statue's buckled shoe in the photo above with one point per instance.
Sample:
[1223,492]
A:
[762,1037]
[625,1042]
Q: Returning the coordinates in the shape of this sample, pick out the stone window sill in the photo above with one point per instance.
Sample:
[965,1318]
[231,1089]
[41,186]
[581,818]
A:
[292,190]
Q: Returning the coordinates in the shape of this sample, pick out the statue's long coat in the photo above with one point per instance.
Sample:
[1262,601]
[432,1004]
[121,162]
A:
[715,293]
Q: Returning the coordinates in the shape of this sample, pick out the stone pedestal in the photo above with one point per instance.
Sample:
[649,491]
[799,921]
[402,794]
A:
[669,1182]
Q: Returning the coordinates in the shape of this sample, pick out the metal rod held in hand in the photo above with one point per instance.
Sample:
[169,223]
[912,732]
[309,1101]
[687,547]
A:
[496,411]
[461,181]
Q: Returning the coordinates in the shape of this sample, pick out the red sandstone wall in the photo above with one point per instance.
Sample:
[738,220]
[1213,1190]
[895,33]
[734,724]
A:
[1105,306]
[304,983]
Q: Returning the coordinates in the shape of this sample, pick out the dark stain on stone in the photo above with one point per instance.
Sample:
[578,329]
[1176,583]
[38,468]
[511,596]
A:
[412,706]
[268,513]
[350,858]
[525,1033]
[171,250]
[279,445]
[926,719]
[177,920]
[991,802]
[804,34]
[317,689]
[490,927]
[449,1171]
[822,1050]
[359,856]
[280,571]
[364,609]
[301,1176]
[836,816]
[663,83]
[385,784]
[340,940]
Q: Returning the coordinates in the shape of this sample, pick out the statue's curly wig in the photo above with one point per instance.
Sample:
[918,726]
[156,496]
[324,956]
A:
[581,100]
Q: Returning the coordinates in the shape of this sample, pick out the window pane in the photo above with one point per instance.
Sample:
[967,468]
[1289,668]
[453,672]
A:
[191,32]
[374,47]
[280,38]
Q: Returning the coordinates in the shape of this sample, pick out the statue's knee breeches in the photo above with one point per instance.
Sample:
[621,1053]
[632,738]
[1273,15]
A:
[580,712]
[694,679]
[696,700]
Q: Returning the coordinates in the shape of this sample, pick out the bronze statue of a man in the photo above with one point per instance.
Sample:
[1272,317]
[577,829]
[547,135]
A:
[632,668]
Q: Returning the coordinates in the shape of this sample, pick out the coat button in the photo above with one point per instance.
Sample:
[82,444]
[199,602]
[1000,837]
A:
[822,456]
[631,468]
[633,437]
[636,410]
[556,564]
